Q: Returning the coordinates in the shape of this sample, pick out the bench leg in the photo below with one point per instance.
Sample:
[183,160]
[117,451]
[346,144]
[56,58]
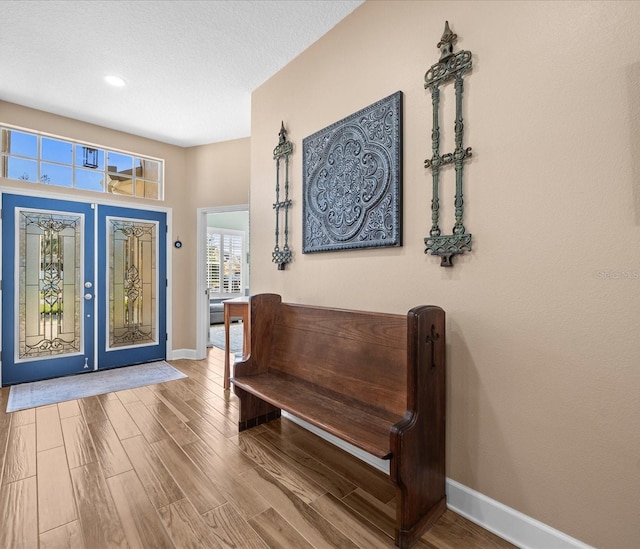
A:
[406,538]
[253,410]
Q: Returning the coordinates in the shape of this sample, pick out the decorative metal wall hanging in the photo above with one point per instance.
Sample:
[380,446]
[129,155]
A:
[352,179]
[451,66]
[282,256]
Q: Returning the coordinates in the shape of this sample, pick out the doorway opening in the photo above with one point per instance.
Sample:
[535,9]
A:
[223,266]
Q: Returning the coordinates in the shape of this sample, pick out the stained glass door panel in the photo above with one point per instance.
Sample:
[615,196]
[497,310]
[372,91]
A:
[132,292]
[132,282]
[49,282]
[48,276]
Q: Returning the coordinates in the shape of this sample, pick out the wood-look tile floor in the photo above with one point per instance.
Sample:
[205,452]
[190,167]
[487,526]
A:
[164,466]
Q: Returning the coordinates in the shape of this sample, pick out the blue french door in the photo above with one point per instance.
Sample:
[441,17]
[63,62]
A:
[59,315]
[132,286]
[48,304]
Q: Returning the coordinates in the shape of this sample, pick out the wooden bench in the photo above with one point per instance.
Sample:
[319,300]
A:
[374,380]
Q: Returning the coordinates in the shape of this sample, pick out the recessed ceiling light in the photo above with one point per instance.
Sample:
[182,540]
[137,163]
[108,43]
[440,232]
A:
[116,81]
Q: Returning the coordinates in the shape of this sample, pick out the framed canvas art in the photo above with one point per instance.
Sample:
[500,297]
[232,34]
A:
[352,181]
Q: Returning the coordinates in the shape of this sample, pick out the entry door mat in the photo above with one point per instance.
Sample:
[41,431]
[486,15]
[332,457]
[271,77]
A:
[51,391]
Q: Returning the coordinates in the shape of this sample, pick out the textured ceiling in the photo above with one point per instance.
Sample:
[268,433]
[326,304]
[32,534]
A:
[190,65]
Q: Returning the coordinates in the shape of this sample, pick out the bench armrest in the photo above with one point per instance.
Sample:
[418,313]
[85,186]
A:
[418,440]
[258,360]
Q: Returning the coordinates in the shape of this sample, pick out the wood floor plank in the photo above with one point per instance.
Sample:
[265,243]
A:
[19,512]
[226,407]
[171,423]
[198,488]
[207,412]
[212,367]
[178,406]
[4,399]
[121,421]
[383,516]
[233,457]
[187,527]
[311,467]
[67,536]
[48,429]
[354,470]
[109,450]
[351,523]
[229,527]
[56,504]
[149,426]
[306,520]
[226,425]
[126,396]
[154,388]
[92,409]
[157,481]
[452,531]
[99,520]
[212,384]
[77,441]
[277,532]
[235,490]
[230,397]
[179,388]
[145,395]
[20,459]
[23,417]
[70,408]
[142,525]
[301,485]
[204,390]
[5,427]
[215,378]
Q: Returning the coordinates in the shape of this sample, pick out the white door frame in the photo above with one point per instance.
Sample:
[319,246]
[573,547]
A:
[202,307]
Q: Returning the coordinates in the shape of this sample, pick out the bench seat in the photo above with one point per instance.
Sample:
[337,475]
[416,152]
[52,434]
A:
[365,428]
[373,380]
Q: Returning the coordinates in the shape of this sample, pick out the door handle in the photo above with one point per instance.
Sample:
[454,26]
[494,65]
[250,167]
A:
[88,296]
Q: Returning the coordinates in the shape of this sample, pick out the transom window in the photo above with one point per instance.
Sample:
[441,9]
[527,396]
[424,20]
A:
[39,158]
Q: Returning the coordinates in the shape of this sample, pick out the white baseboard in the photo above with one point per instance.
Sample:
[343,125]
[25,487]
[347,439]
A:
[507,523]
[381,464]
[176,354]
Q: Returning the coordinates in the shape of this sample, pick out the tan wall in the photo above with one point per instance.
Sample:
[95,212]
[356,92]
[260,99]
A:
[216,175]
[543,350]
[210,175]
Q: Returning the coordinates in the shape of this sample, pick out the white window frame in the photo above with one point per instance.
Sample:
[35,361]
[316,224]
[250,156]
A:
[4,156]
[239,237]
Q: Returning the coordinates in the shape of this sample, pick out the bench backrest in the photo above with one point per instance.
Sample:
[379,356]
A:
[360,356]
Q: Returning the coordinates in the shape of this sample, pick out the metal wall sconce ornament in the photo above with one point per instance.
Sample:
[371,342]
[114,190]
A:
[282,256]
[451,66]
[352,181]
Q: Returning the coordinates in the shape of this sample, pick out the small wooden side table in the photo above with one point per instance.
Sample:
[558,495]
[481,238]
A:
[238,306]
